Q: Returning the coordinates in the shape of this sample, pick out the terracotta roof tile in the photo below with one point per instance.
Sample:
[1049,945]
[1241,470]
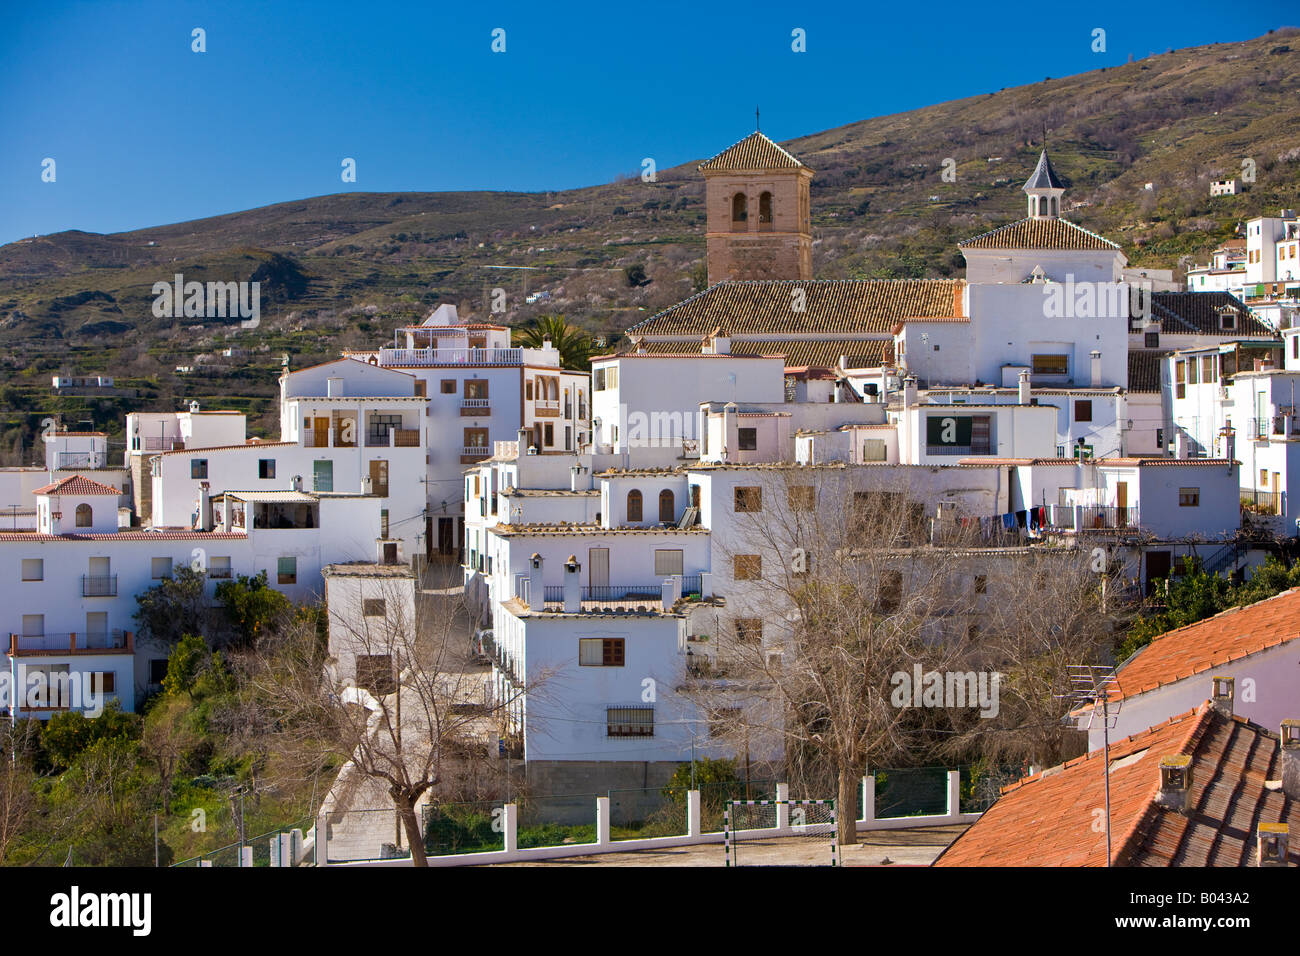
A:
[1197,313]
[755,151]
[868,353]
[1144,369]
[77,485]
[764,307]
[1049,819]
[1211,643]
[1039,234]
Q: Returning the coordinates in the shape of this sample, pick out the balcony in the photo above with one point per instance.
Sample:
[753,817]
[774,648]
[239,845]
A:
[547,407]
[78,459]
[394,438]
[430,356]
[1258,502]
[99,585]
[1107,518]
[106,642]
[164,444]
[615,596]
[477,452]
[475,406]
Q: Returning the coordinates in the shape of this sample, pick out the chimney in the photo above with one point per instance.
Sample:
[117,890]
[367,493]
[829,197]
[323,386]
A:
[572,585]
[721,344]
[909,392]
[1223,691]
[1095,379]
[536,590]
[1175,782]
[1291,758]
[205,506]
[226,513]
[1180,445]
[1023,396]
[1271,848]
[334,387]
[295,483]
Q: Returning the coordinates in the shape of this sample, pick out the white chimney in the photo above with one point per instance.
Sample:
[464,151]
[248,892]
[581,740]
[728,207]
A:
[572,585]
[536,590]
[1272,846]
[909,392]
[1223,691]
[226,513]
[1291,758]
[205,506]
[334,387]
[1024,387]
[1095,379]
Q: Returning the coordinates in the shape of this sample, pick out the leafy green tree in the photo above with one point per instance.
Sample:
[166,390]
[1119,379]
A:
[573,344]
[66,736]
[174,607]
[636,276]
[252,605]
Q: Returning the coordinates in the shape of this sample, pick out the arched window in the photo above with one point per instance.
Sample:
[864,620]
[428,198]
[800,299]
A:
[739,210]
[1056,206]
[765,209]
[85,518]
[666,506]
[1033,205]
[634,505]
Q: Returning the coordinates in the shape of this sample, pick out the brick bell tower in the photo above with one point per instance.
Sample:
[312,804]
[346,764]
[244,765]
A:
[759,213]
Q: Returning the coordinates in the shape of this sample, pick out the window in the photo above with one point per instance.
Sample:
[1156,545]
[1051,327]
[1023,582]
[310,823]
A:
[198,468]
[739,208]
[378,427]
[266,468]
[749,630]
[448,386]
[421,388]
[959,434]
[160,568]
[749,499]
[103,682]
[549,435]
[219,568]
[476,388]
[375,673]
[1263,476]
[667,506]
[599,384]
[1207,368]
[33,569]
[1189,497]
[873,449]
[1160,438]
[802,497]
[477,438]
[383,522]
[1083,411]
[1191,372]
[1153,340]
[85,517]
[747,567]
[890,593]
[630,721]
[157,670]
[1051,365]
[981,584]
[765,207]
[372,607]
[1180,379]
[668,561]
[601,651]
[286,571]
[748,438]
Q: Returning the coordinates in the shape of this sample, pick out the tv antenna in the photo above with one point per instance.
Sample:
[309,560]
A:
[1090,684]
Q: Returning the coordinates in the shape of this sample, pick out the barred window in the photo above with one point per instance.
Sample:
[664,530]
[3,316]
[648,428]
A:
[630,721]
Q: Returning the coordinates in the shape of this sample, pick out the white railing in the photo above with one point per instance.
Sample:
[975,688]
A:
[549,403]
[475,403]
[391,356]
[479,451]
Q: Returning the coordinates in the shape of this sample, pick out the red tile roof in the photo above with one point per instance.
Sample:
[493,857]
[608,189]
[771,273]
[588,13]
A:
[1051,818]
[1211,643]
[77,485]
[755,151]
[125,536]
[1039,234]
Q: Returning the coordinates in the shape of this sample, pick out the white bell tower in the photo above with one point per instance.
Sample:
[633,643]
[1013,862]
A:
[1044,189]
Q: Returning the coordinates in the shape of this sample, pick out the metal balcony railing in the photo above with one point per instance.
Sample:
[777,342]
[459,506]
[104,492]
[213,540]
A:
[1255,501]
[163,444]
[68,642]
[99,585]
[429,356]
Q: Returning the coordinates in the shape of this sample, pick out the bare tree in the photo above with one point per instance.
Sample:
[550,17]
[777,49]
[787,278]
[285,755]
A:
[854,640]
[390,693]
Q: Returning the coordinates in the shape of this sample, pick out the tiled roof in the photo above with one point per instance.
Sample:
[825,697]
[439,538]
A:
[250,443]
[1144,369]
[1039,234]
[77,485]
[1050,819]
[755,151]
[800,353]
[1164,461]
[1213,642]
[1043,176]
[1196,313]
[367,569]
[830,305]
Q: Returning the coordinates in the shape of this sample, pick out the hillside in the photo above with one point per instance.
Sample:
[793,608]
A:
[342,270]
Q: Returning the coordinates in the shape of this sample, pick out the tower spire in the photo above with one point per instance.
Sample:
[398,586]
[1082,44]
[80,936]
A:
[756,126]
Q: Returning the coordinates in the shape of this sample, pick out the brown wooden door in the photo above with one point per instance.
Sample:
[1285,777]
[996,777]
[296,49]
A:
[1121,503]
[379,477]
[320,432]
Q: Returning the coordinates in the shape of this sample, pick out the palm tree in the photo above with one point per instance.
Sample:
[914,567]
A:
[573,344]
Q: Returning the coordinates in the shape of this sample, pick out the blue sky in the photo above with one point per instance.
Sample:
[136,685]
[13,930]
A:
[144,131]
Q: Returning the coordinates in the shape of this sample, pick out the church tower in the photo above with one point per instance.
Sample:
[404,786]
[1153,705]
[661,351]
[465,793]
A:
[759,213]
[1044,189]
